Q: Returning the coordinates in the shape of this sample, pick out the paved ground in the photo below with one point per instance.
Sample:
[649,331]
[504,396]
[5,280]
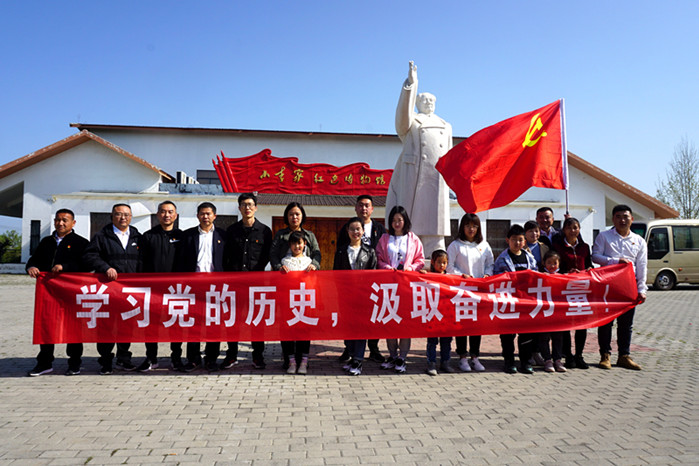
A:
[266,417]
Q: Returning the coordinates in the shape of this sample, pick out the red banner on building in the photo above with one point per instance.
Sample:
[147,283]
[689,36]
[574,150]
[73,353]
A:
[322,305]
[265,173]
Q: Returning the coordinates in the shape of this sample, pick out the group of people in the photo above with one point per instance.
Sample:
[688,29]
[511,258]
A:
[362,244]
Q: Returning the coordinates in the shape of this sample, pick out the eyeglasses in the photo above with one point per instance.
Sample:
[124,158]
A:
[247,205]
[121,215]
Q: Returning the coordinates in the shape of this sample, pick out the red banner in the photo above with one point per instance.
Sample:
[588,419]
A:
[265,173]
[494,166]
[322,305]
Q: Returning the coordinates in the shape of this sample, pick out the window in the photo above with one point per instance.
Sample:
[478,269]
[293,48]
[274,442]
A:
[99,220]
[35,235]
[224,221]
[208,177]
[497,235]
[685,238]
[658,243]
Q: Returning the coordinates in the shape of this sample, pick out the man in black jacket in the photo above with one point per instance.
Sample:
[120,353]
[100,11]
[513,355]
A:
[114,250]
[60,252]
[373,231]
[202,251]
[248,243]
[158,249]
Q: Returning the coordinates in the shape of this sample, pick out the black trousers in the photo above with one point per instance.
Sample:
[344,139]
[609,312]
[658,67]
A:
[525,343]
[152,351]
[211,350]
[580,339]
[297,349]
[106,356]
[73,350]
[474,340]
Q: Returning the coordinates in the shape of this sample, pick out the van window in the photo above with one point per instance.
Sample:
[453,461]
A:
[658,243]
[639,229]
[685,238]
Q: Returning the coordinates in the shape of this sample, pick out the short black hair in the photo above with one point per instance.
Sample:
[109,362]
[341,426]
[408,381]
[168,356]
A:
[353,220]
[296,237]
[290,206]
[544,209]
[551,253]
[406,220]
[120,205]
[167,202]
[247,196]
[206,205]
[437,253]
[515,230]
[569,221]
[361,197]
[621,208]
[531,225]
[469,219]
[65,211]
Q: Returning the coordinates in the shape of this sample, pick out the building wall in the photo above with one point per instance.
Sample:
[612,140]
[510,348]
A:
[91,178]
[192,151]
[87,167]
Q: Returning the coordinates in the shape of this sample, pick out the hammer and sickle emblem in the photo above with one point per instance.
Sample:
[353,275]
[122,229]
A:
[534,126]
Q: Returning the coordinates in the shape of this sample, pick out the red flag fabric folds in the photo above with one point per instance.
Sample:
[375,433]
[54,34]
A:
[494,166]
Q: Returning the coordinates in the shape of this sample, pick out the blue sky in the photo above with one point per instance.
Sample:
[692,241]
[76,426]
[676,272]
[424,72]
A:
[627,69]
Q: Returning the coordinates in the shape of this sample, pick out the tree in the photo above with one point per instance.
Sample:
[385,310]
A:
[680,188]
[10,247]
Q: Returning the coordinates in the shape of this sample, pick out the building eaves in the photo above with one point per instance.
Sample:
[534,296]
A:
[660,209]
[68,143]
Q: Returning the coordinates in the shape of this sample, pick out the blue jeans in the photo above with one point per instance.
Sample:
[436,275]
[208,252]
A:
[444,349]
[623,334]
[356,349]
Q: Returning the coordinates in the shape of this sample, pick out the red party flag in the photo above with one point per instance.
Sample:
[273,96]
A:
[494,166]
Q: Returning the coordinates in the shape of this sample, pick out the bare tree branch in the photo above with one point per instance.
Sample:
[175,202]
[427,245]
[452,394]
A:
[680,188]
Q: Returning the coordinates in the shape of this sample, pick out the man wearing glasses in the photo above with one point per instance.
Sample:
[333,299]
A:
[248,243]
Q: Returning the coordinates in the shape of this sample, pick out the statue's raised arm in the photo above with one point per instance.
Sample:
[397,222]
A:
[405,111]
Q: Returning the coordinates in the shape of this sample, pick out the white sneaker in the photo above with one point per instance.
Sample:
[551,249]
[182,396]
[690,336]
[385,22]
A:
[292,367]
[400,366]
[390,363]
[303,367]
[476,365]
[464,365]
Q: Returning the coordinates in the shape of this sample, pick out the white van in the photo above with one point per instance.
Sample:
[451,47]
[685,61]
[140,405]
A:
[673,251]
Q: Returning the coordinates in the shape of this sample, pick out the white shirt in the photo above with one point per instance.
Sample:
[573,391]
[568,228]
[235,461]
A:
[397,250]
[296,264]
[610,246]
[205,255]
[352,254]
[469,258]
[366,237]
[122,235]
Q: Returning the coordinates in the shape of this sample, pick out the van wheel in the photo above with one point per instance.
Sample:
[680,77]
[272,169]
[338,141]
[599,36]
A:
[664,281]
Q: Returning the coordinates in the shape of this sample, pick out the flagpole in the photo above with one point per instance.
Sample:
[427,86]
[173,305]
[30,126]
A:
[564,155]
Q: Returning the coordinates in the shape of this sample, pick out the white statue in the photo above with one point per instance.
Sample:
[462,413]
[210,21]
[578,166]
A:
[416,184]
